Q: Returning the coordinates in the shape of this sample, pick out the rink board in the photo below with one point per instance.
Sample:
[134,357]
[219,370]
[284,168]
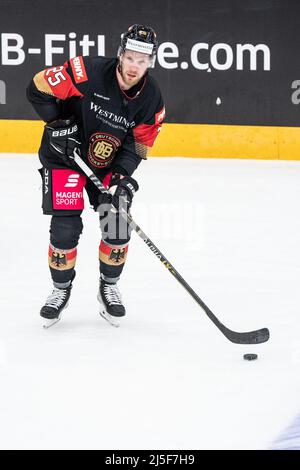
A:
[188,140]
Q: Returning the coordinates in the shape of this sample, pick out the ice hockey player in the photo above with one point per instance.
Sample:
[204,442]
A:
[111,110]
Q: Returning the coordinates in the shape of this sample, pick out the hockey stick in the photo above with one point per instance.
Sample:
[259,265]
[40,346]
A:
[250,337]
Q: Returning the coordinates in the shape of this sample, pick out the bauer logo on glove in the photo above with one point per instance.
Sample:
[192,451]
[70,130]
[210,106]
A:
[63,137]
[65,132]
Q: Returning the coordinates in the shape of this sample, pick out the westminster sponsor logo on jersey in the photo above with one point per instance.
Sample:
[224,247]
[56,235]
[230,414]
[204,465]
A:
[114,118]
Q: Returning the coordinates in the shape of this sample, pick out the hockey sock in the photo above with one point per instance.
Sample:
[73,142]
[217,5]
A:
[112,259]
[61,264]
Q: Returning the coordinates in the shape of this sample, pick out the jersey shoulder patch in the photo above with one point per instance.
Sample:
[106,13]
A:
[78,69]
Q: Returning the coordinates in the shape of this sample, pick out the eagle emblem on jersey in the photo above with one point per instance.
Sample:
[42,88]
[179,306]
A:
[102,149]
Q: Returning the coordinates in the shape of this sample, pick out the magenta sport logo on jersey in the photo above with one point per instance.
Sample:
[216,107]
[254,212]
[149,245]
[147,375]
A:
[102,149]
[67,190]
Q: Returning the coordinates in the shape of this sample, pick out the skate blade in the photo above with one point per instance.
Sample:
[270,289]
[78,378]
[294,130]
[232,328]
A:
[50,322]
[113,321]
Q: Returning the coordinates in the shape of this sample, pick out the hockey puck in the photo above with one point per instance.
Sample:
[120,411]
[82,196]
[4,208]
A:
[250,357]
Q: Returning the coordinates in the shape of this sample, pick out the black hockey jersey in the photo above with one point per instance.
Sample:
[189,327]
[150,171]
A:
[117,127]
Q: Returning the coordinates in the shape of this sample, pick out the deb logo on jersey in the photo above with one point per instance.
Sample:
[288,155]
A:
[102,149]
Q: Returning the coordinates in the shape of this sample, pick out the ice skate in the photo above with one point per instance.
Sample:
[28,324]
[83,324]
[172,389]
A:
[55,304]
[111,307]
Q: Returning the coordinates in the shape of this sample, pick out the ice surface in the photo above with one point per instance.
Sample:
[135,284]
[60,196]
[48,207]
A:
[167,378]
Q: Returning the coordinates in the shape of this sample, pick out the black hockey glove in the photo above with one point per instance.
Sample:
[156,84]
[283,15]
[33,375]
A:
[121,192]
[63,138]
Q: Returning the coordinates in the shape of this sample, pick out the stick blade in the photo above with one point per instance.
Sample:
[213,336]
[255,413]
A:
[249,337]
